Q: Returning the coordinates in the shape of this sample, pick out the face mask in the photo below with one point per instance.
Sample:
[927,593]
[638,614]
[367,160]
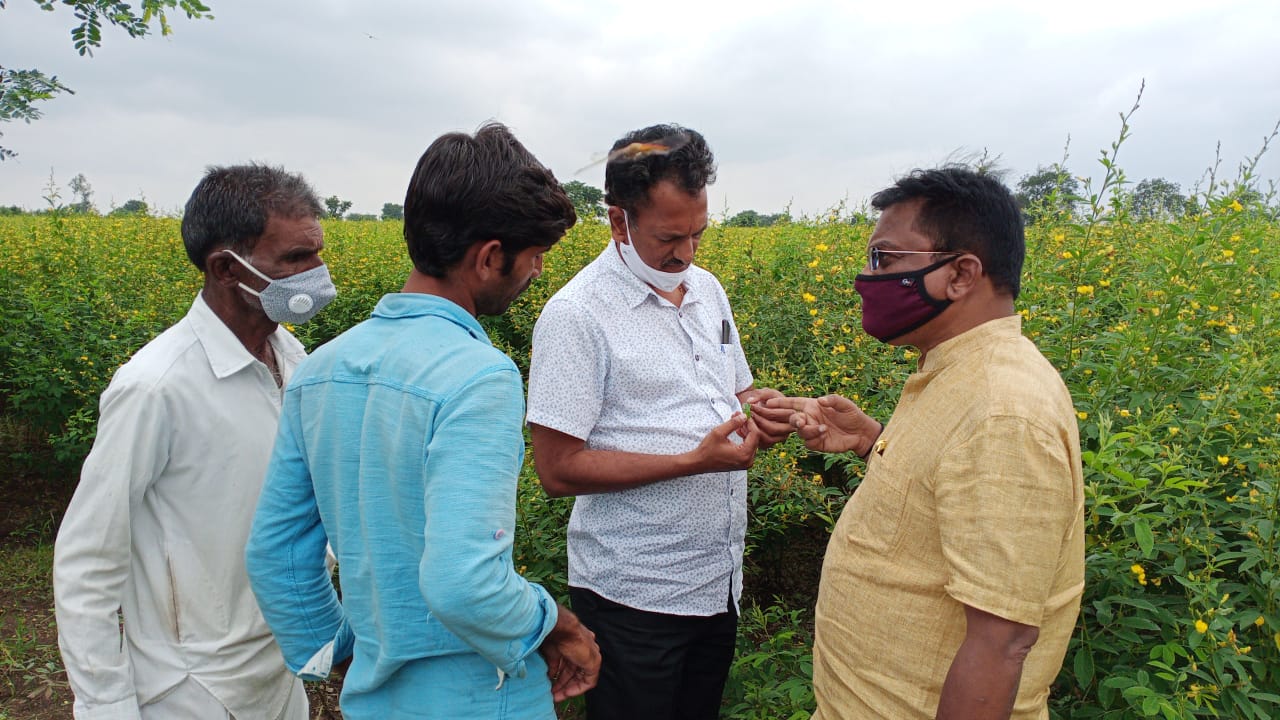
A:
[293,299]
[894,304]
[664,281]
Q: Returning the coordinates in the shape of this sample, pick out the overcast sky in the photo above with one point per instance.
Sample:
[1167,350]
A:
[804,103]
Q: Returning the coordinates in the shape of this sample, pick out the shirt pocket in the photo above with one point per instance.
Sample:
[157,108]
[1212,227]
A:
[878,509]
[198,608]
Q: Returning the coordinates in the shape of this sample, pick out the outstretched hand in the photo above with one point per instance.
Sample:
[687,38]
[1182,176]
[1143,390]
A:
[831,423]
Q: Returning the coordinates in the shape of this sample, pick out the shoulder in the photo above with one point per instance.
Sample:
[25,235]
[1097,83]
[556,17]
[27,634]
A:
[1019,382]
[173,356]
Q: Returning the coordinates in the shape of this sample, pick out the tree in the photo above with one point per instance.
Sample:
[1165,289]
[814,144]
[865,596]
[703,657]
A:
[21,89]
[132,207]
[362,216]
[588,201]
[1157,199]
[1048,192]
[81,189]
[337,206]
[392,211]
[751,218]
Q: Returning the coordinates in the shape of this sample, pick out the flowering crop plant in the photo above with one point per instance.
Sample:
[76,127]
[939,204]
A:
[1166,333]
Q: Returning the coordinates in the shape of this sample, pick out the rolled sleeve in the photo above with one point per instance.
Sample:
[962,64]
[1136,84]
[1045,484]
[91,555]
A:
[470,476]
[1005,503]
[285,558]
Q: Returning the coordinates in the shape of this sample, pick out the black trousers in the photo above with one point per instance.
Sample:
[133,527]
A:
[656,666]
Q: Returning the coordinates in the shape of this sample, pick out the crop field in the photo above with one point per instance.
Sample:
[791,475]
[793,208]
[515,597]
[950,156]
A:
[1166,334]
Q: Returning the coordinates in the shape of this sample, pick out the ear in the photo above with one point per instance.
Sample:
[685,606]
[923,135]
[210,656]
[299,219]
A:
[617,224]
[966,275]
[219,267]
[489,258]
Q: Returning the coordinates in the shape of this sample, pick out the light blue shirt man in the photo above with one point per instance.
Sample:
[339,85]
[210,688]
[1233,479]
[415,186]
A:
[400,443]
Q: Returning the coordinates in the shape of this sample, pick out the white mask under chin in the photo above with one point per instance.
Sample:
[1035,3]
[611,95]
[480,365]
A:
[664,281]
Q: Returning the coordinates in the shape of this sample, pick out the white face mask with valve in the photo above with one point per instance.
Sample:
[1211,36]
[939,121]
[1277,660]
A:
[664,281]
[295,298]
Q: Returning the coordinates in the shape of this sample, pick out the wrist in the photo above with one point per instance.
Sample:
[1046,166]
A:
[874,435]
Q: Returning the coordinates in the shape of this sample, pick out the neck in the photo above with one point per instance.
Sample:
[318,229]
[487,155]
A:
[969,317]
[452,291]
[249,324]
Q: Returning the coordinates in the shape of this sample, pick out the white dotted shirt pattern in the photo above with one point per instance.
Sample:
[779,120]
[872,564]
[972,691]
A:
[624,369]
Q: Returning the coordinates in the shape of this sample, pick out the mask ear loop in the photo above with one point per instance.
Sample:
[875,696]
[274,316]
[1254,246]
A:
[252,269]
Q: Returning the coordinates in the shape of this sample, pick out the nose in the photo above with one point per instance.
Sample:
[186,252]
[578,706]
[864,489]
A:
[687,249]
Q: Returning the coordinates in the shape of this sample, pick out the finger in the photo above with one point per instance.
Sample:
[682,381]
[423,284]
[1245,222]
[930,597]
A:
[774,414]
[811,432]
[839,403]
[790,403]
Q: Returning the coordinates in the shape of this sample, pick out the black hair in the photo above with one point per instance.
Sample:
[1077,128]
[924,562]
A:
[682,156]
[468,189]
[231,205]
[966,211]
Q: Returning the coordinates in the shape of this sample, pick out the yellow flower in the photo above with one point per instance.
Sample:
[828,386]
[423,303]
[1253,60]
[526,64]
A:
[821,247]
[1082,415]
[813,311]
[1202,627]
[1085,289]
[1124,413]
[1235,205]
[1260,621]
[1228,253]
[839,349]
[808,297]
[814,264]
[1223,459]
[1173,431]
[1066,254]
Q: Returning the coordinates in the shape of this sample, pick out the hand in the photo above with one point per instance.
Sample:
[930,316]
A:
[774,425]
[831,423]
[573,658]
[717,452]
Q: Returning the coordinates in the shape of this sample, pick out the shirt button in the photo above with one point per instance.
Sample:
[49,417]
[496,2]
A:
[697,358]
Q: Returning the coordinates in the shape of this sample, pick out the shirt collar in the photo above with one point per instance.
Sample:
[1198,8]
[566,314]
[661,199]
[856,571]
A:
[634,290]
[394,306]
[950,351]
[226,354]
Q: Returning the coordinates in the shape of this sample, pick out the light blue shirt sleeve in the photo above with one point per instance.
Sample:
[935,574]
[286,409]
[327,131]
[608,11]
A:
[470,474]
[285,558]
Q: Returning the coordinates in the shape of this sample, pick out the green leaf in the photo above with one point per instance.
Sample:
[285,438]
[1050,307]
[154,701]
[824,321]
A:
[1146,540]
[1084,667]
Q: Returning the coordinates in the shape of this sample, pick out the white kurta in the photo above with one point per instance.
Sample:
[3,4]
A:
[158,524]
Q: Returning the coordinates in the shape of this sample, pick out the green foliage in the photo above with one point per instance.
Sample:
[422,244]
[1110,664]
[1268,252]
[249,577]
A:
[751,218]
[21,89]
[1164,333]
[1157,199]
[336,206]
[392,211]
[132,207]
[588,201]
[1049,193]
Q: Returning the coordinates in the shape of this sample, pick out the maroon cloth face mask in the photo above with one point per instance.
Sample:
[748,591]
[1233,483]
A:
[894,304]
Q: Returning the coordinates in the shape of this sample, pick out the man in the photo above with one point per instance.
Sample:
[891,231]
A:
[400,443]
[953,578]
[635,386]
[157,526]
